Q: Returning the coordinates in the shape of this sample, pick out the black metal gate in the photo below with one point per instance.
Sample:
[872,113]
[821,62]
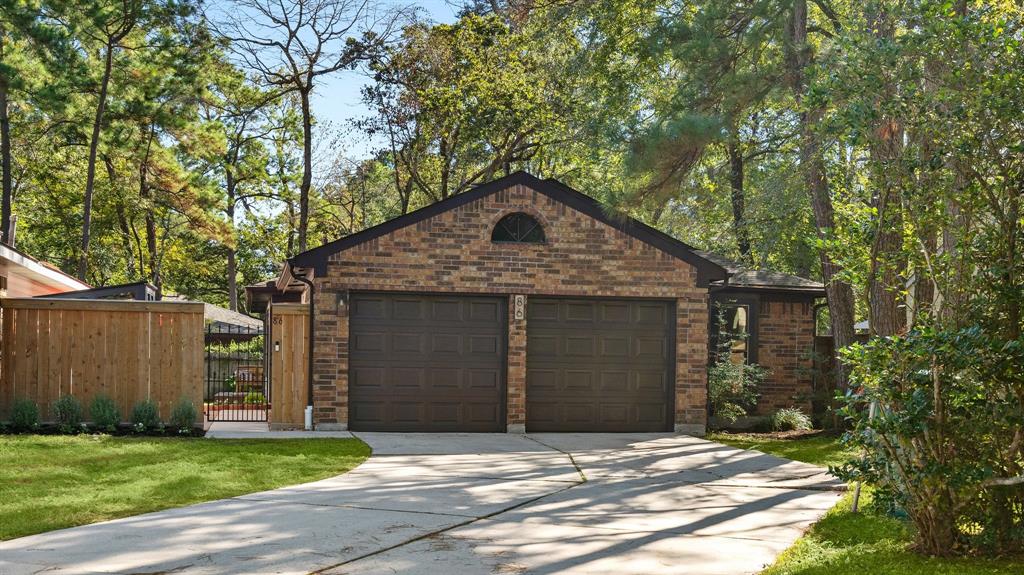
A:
[236,377]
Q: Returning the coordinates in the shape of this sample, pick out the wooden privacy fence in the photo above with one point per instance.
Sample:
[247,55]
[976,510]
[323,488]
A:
[128,350]
[289,344]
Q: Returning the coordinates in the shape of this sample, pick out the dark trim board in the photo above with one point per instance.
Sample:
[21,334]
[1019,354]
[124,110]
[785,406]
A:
[707,270]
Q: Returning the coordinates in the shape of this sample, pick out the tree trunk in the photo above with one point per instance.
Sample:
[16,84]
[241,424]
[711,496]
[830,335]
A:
[738,198]
[232,270]
[887,259]
[5,155]
[839,293]
[90,177]
[307,168]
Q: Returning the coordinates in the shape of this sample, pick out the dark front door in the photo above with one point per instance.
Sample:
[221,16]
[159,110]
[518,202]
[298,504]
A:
[599,365]
[426,362]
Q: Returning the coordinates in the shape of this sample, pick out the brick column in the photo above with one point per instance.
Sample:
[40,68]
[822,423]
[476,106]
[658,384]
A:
[691,364]
[330,361]
[515,412]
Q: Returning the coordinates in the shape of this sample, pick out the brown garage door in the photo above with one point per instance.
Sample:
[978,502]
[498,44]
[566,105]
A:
[599,365]
[426,363]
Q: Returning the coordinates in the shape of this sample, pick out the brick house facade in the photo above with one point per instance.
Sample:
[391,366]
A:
[447,248]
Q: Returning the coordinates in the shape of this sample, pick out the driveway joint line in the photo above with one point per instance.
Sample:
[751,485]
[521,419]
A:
[583,476]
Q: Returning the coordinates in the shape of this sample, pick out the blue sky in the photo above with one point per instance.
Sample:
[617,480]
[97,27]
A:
[337,98]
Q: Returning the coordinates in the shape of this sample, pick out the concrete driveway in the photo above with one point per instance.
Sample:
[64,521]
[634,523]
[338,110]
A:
[476,504]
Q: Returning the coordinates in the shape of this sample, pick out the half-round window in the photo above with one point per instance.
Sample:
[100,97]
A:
[518,227]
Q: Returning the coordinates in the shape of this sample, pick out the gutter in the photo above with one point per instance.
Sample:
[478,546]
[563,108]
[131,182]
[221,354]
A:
[312,345]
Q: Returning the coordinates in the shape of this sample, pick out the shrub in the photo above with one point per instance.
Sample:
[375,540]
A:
[791,419]
[733,388]
[183,417]
[67,412]
[104,412]
[145,416]
[24,415]
[937,415]
[255,398]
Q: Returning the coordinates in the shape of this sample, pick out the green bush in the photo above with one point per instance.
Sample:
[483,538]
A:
[104,412]
[183,417]
[733,388]
[145,416]
[255,398]
[791,419]
[935,414]
[67,412]
[24,415]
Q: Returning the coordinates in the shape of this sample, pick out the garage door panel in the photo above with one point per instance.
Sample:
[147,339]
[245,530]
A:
[615,413]
[651,348]
[486,312]
[407,343]
[577,381]
[368,307]
[404,379]
[446,413]
[445,379]
[407,411]
[578,413]
[579,346]
[652,383]
[445,343]
[406,308]
[368,342]
[651,314]
[616,346]
[579,311]
[484,380]
[614,382]
[615,312]
[539,345]
[426,363]
[446,310]
[541,311]
[599,365]
[481,413]
[484,345]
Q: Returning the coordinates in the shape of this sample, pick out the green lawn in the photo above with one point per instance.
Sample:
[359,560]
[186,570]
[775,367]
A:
[52,482]
[846,543]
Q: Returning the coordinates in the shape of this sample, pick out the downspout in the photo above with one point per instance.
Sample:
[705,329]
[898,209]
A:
[312,346]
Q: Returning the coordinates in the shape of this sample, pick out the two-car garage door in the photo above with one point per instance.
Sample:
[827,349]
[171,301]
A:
[437,363]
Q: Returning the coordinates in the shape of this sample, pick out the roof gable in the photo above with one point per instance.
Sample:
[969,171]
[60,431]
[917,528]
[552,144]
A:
[707,270]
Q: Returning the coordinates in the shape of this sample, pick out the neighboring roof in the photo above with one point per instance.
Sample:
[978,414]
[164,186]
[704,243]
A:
[707,270]
[743,277]
[140,291]
[257,296]
[224,317]
[39,271]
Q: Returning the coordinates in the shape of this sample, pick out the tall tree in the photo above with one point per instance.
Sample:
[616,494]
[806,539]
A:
[107,24]
[799,54]
[240,108]
[294,44]
[458,104]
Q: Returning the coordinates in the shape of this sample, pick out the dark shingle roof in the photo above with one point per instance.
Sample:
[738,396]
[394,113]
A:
[741,276]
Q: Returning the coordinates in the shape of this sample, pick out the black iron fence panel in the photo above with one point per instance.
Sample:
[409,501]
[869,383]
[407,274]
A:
[236,374]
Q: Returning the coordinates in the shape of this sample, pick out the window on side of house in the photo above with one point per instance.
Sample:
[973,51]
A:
[518,228]
[735,330]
